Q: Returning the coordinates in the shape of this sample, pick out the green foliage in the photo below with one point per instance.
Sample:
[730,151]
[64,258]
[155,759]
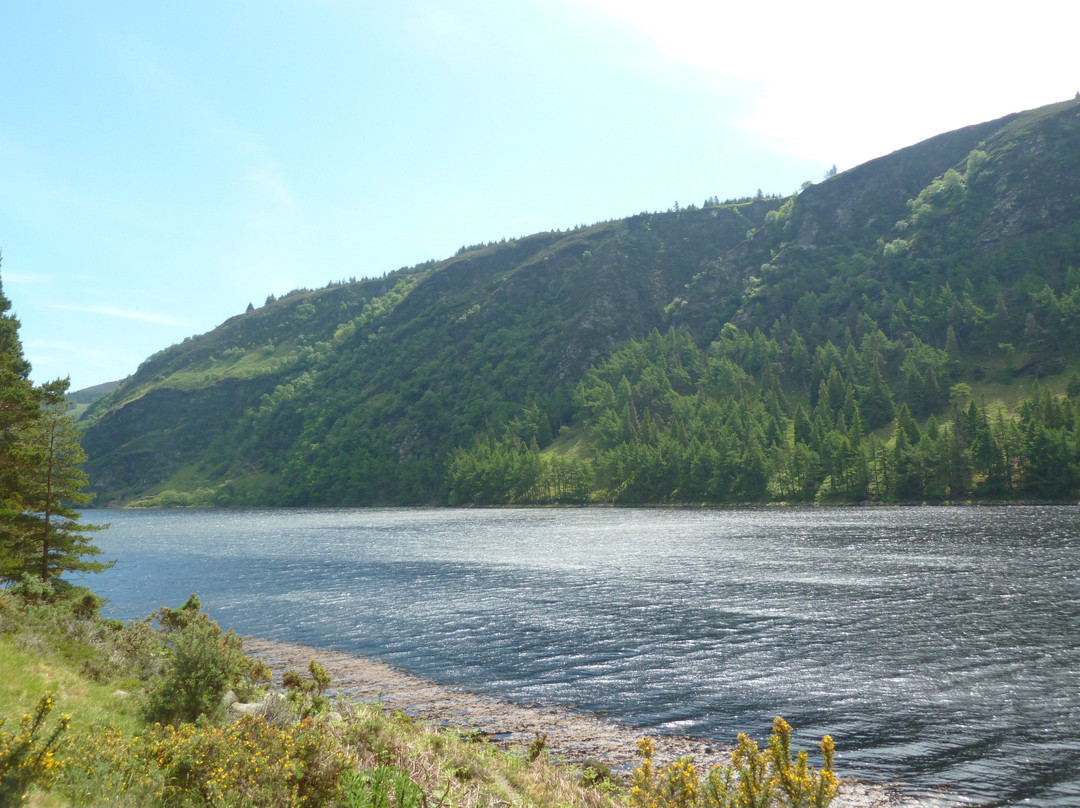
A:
[29,757]
[665,421]
[938,199]
[381,787]
[201,663]
[360,755]
[598,775]
[200,498]
[536,746]
[41,474]
[306,695]
[46,538]
[375,310]
[250,762]
[507,471]
[18,406]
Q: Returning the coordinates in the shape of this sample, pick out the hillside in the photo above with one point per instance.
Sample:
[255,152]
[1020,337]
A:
[855,341]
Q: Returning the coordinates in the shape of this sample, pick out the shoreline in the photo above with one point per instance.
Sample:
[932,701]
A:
[571,735]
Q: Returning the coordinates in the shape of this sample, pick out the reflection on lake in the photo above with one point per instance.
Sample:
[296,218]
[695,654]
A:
[939,646]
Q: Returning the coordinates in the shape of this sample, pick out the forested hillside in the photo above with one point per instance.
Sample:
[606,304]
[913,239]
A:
[900,331]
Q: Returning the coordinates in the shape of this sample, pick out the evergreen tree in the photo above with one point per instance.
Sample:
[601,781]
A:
[40,473]
[18,407]
[51,539]
[876,401]
[18,402]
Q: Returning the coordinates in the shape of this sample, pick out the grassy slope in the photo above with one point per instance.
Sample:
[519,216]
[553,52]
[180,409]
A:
[60,655]
[28,670]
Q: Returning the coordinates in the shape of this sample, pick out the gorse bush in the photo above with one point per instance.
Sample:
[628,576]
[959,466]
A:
[167,748]
[800,783]
[754,779]
[247,763]
[103,759]
[675,785]
[27,758]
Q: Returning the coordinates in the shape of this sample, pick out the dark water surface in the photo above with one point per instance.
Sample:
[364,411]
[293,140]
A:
[939,646]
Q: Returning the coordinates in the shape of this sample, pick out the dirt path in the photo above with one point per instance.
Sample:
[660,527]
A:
[574,736]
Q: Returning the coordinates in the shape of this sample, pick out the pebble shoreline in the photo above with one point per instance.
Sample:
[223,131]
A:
[572,736]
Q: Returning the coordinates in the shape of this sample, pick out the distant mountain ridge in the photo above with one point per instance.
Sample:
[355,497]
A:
[88,395]
[967,244]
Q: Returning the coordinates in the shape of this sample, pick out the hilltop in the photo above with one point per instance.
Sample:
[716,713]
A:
[875,336]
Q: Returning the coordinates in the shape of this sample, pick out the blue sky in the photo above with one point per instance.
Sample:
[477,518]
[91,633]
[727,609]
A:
[164,164]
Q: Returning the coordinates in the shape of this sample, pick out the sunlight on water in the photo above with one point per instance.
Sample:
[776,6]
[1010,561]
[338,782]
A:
[938,645]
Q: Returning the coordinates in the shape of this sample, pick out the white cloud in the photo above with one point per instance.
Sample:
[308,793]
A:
[845,81]
[107,311]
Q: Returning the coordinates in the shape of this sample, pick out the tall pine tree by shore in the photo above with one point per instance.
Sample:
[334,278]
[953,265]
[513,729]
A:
[40,472]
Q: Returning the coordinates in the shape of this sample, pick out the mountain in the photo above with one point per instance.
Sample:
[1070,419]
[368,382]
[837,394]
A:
[883,304]
[81,399]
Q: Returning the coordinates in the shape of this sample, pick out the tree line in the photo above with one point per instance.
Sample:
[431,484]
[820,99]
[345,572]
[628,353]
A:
[756,418]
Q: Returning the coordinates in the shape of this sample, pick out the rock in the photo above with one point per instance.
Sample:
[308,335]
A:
[251,708]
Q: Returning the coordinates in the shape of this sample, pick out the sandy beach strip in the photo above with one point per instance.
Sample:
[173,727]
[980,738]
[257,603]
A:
[571,735]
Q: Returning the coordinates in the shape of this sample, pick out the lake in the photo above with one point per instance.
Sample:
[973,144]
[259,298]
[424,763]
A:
[939,646]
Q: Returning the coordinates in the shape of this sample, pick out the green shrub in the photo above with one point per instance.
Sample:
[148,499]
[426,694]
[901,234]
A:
[537,746]
[595,774]
[102,759]
[381,787]
[201,663]
[248,763]
[31,589]
[306,695]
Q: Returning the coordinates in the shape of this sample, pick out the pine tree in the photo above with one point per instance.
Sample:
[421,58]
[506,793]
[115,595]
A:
[18,408]
[18,403]
[40,473]
[51,538]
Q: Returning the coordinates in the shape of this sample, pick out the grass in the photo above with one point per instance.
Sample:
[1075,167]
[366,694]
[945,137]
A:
[235,363]
[43,651]
[468,771]
[27,671]
[112,755]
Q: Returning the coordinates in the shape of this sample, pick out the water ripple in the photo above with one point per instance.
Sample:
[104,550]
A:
[939,646]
